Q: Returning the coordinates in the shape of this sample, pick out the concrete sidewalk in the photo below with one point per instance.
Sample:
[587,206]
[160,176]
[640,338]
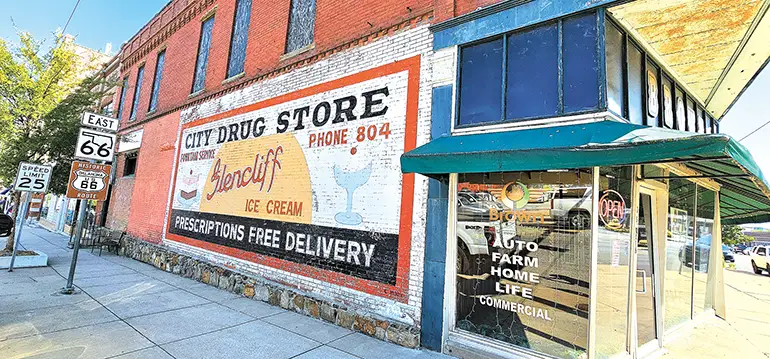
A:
[128,309]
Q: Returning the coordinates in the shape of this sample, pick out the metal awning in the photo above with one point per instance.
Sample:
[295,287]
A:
[745,194]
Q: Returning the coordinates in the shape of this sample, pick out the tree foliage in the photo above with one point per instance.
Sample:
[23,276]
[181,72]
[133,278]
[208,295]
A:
[733,235]
[42,97]
[41,100]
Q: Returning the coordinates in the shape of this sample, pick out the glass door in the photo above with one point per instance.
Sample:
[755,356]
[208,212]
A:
[645,271]
[650,226]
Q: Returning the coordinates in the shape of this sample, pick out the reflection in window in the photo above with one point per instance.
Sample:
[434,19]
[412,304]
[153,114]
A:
[678,268]
[680,110]
[240,37]
[581,64]
[301,25]
[156,82]
[613,260]
[524,257]
[635,86]
[202,61]
[614,53]
[529,88]
[704,226]
[668,103]
[137,92]
[481,82]
[532,56]
[691,116]
[653,95]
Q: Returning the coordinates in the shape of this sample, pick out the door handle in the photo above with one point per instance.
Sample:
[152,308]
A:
[644,281]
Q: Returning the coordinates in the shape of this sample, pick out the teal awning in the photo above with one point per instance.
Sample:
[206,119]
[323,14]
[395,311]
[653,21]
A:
[745,195]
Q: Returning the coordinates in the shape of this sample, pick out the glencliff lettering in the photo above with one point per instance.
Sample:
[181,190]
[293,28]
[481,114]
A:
[263,166]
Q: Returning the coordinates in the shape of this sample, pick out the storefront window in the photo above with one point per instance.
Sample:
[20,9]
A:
[677,287]
[613,260]
[635,85]
[704,226]
[614,54]
[524,258]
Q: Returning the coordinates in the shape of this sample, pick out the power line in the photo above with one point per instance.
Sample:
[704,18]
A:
[752,132]
[64,30]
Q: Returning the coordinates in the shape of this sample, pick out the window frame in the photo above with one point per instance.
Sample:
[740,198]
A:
[134,158]
[286,50]
[524,121]
[122,98]
[137,92]
[210,17]
[663,74]
[156,82]
[233,37]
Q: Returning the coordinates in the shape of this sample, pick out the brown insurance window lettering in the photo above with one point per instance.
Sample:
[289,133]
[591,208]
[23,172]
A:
[524,258]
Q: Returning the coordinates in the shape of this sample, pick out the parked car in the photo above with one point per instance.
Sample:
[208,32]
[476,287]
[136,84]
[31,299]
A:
[702,252]
[760,259]
[740,248]
[572,205]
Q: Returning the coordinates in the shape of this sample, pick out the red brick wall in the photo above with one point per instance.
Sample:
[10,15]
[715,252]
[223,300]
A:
[337,22]
[447,9]
[153,176]
[120,203]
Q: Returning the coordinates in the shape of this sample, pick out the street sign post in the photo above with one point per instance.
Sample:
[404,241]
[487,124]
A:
[88,181]
[95,145]
[30,177]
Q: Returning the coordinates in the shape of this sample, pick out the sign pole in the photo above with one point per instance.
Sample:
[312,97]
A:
[68,289]
[20,217]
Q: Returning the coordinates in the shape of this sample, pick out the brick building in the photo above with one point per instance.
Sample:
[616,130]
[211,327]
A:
[374,163]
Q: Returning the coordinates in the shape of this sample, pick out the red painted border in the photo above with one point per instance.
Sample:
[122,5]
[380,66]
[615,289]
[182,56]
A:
[399,290]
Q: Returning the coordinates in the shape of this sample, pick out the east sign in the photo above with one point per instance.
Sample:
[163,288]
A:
[98,121]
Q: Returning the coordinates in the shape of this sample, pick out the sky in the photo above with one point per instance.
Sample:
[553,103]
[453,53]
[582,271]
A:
[98,22]
[95,22]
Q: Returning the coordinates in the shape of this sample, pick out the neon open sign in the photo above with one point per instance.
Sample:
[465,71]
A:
[612,208]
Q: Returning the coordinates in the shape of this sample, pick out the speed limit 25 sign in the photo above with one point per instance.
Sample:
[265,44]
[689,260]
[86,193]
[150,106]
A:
[88,181]
[95,145]
[32,177]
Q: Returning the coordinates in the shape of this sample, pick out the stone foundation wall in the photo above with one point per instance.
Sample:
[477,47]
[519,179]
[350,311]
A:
[276,294]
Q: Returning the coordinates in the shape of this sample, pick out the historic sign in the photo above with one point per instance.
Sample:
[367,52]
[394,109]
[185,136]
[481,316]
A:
[32,177]
[88,181]
[95,145]
[311,177]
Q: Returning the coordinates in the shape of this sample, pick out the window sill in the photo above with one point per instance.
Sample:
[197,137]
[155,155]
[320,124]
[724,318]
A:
[234,78]
[297,52]
[196,93]
[152,112]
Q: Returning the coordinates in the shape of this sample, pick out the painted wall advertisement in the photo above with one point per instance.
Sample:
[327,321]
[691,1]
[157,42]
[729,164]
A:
[310,178]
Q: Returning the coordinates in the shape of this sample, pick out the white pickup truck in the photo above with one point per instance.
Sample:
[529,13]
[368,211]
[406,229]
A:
[760,259]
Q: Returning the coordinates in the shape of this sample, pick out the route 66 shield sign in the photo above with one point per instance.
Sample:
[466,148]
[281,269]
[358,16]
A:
[88,181]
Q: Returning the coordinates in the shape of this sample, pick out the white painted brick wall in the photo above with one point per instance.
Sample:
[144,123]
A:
[404,44]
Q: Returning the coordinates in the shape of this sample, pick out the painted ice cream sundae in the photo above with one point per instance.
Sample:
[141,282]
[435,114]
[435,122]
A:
[188,188]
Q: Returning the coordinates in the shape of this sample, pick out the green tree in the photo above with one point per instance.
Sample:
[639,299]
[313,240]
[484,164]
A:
[733,235]
[41,100]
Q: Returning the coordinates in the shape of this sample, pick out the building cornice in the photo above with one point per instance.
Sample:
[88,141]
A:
[298,62]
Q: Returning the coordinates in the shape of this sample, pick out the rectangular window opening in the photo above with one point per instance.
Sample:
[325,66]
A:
[129,166]
[301,25]
[202,60]
[156,81]
[240,37]
[137,92]
[123,90]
